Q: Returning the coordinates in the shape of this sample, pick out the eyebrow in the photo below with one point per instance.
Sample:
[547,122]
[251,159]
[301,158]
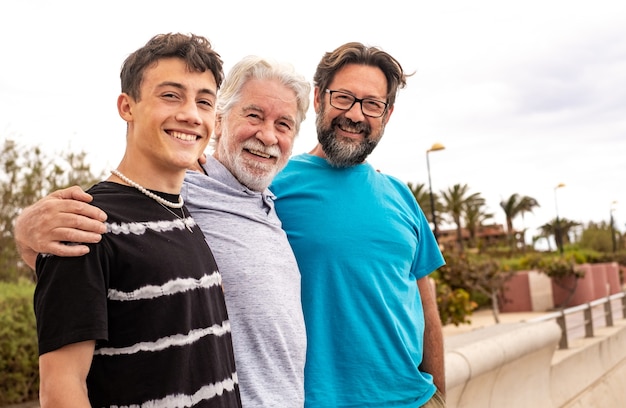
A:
[183,88]
[377,98]
[254,107]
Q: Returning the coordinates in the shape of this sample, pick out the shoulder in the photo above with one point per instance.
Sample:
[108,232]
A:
[302,163]
[118,201]
[106,194]
[293,168]
[395,184]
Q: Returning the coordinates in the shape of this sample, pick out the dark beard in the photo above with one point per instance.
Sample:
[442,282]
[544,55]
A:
[340,152]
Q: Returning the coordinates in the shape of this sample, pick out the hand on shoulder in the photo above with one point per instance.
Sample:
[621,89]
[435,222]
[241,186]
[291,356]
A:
[62,216]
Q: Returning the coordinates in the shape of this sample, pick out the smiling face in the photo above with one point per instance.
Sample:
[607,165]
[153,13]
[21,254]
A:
[347,137]
[255,138]
[170,126]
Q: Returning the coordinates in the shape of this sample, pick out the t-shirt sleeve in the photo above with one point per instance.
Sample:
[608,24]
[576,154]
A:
[70,299]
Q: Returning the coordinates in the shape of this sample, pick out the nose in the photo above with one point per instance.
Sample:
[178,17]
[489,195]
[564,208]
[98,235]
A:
[267,135]
[189,113]
[355,113]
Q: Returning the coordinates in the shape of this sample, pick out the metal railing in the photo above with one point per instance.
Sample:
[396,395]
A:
[580,321]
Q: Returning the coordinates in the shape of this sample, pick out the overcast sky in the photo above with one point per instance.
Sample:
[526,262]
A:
[523,94]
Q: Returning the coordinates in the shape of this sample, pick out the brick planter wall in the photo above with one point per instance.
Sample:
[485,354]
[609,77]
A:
[532,291]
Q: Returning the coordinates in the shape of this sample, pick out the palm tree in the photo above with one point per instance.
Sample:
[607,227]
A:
[565,226]
[516,205]
[455,201]
[475,216]
[546,231]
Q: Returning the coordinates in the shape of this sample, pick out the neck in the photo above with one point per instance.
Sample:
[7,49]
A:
[318,151]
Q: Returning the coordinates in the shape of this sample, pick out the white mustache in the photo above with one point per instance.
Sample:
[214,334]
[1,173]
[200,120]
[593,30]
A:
[261,150]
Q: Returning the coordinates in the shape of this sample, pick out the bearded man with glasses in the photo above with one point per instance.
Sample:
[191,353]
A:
[364,248]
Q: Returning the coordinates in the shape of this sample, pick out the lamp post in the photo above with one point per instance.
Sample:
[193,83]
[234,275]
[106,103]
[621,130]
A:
[557,227]
[435,147]
[613,242]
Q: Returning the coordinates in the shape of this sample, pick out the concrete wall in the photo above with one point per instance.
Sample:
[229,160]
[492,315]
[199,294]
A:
[506,365]
[541,296]
[592,373]
[519,365]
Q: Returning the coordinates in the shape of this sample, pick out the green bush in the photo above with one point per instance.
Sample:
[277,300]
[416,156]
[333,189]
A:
[19,368]
[558,266]
[455,305]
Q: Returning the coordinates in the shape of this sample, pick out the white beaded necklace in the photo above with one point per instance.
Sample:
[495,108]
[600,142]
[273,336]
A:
[150,194]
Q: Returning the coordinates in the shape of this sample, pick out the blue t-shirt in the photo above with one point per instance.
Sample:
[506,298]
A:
[361,242]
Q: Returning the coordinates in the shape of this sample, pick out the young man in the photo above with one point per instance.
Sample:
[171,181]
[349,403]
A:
[141,320]
[260,108]
[362,242]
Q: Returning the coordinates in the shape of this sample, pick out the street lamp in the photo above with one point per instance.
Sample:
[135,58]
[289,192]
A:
[435,147]
[612,228]
[557,227]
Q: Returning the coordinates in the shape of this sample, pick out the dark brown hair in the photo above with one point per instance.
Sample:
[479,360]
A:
[195,50]
[357,53]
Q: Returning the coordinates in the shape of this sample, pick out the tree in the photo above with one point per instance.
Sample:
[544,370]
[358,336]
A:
[28,175]
[598,237]
[566,226]
[455,201]
[472,274]
[543,234]
[514,206]
[474,217]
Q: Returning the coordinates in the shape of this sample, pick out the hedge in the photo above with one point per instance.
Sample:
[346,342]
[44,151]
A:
[19,368]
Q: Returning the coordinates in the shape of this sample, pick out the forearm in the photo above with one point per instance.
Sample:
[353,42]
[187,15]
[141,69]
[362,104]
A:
[433,357]
[26,252]
[63,216]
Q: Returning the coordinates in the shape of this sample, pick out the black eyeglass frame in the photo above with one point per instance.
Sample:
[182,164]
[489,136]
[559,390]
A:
[359,100]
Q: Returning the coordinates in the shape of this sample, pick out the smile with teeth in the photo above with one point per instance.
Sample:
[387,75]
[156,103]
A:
[259,153]
[183,136]
[355,131]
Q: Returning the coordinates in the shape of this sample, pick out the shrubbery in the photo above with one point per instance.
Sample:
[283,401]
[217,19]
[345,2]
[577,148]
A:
[19,369]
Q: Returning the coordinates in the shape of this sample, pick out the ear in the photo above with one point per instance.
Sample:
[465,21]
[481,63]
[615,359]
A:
[317,102]
[218,126]
[124,107]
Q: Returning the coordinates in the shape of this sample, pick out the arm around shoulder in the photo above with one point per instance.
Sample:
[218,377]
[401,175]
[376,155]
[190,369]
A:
[62,216]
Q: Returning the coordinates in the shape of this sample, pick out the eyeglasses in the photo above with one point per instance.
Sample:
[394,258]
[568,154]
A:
[345,101]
